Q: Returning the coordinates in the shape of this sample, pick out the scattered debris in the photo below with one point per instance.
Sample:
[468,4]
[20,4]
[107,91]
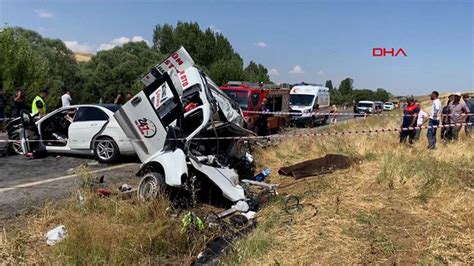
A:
[104,192]
[262,175]
[125,188]
[293,205]
[55,235]
[318,166]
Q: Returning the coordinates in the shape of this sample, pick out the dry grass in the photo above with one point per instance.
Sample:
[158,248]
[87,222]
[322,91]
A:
[101,231]
[400,205]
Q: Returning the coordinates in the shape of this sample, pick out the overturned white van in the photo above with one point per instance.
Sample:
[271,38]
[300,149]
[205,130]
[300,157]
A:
[186,132]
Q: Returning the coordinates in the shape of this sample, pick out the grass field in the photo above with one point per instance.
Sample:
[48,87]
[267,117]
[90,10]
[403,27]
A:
[396,204]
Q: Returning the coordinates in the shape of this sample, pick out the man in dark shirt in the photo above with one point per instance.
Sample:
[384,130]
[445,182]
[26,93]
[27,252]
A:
[470,104]
[262,128]
[410,116]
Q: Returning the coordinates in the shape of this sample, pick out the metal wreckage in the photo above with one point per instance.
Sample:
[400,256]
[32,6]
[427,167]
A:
[190,138]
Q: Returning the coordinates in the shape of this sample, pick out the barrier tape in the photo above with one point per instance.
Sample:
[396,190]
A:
[299,114]
[279,136]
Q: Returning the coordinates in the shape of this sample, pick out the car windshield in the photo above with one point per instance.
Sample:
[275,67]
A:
[241,97]
[388,103]
[364,105]
[301,100]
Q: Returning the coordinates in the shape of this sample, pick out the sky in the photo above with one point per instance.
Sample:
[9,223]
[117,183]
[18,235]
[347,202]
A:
[310,41]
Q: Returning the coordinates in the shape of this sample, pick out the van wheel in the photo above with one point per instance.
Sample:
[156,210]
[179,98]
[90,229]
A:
[151,186]
[106,150]
[326,120]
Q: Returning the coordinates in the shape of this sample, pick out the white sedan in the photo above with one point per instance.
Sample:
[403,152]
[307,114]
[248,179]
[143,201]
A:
[77,129]
[388,106]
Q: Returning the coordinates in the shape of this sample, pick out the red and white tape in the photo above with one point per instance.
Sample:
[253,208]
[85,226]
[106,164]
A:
[281,136]
[339,114]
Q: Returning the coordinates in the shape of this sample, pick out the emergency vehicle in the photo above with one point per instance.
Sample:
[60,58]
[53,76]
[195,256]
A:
[249,96]
[306,101]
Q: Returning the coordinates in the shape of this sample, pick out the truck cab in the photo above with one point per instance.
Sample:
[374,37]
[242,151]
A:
[186,132]
[249,96]
[306,101]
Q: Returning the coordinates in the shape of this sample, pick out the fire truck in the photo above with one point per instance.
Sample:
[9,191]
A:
[249,96]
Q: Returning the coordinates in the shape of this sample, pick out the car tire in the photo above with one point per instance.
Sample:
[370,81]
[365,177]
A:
[152,185]
[106,150]
[15,147]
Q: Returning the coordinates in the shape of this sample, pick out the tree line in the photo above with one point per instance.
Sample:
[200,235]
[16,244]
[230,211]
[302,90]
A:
[346,94]
[32,62]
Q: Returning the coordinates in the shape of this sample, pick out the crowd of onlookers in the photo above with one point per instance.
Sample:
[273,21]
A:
[452,117]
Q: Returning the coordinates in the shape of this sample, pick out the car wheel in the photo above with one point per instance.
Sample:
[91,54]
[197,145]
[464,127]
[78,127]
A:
[106,150]
[151,186]
[15,146]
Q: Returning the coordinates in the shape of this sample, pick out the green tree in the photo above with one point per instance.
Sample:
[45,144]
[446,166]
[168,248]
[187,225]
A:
[21,65]
[256,73]
[329,85]
[346,87]
[117,70]
[382,95]
[210,50]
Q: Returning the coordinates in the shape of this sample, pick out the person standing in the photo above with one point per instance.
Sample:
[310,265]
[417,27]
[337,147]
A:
[445,120]
[458,114]
[66,99]
[410,117]
[434,119]
[38,106]
[333,112]
[262,120]
[2,110]
[421,120]
[470,104]
[18,103]
[119,99]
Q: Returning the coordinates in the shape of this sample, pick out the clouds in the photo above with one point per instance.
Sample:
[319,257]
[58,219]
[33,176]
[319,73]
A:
[215,29]
[88,48]
[120,41]
[296,70]
[273,72]
[43,13]
[262,44]
[79,47]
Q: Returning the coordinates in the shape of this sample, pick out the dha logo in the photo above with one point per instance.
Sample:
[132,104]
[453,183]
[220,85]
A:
[385,52]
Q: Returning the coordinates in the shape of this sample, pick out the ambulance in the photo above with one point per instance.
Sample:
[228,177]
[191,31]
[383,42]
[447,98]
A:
[306,101]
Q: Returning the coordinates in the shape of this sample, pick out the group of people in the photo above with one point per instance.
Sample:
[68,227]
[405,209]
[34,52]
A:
[452,117]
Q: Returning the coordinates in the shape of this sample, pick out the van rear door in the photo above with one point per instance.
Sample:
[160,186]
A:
[146,117]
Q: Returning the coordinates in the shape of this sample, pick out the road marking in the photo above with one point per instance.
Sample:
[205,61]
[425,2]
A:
[31,184]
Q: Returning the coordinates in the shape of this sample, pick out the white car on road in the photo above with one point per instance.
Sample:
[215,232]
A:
[388,106]
[78,129]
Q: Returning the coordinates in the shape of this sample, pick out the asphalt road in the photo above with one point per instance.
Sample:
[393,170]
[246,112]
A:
[26,184]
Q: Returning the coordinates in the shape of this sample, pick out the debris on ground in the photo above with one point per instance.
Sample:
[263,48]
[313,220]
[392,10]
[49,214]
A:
[262,175]
[125,188]
[55,235]
[324,165]
[104,192]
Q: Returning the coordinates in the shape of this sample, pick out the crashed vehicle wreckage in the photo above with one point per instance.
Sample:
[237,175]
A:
[189,136]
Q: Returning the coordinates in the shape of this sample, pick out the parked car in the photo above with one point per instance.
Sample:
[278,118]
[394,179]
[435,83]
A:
[78,129]
[378,107]
[366,107]
[189,134]
[388,106]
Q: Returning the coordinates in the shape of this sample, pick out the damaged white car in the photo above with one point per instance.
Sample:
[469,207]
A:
[187,133]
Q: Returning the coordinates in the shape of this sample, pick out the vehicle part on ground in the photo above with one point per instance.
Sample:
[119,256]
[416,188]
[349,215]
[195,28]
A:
[106,150]
[318,166]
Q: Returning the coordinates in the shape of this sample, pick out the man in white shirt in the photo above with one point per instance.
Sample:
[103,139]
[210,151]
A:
[66,98]
[422,118]
[434,119]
